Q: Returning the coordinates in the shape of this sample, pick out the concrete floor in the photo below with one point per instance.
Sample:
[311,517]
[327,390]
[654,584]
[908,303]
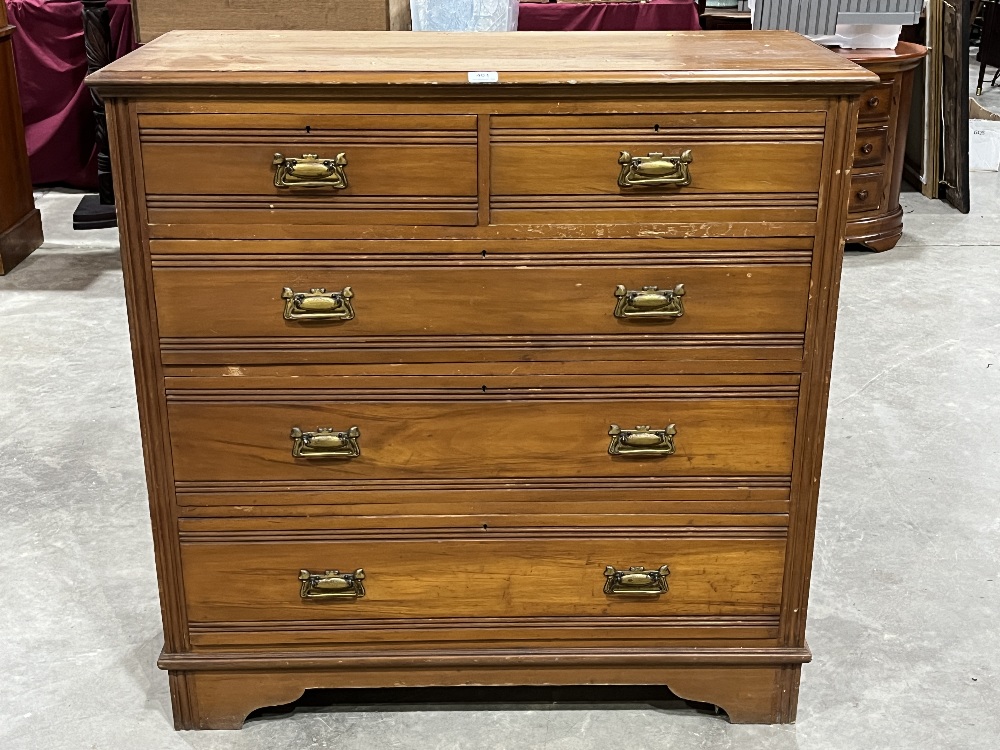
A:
[906,589]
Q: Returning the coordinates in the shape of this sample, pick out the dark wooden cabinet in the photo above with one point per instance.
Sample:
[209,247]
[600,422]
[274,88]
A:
[876,218]
[20,221]
[453,383]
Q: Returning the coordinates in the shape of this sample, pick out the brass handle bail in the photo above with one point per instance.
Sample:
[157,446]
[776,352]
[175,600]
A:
[655,170]
[318,304]
[636,581]
[650,303]
[326,442]
[310,171]
[332,584]
[642,442]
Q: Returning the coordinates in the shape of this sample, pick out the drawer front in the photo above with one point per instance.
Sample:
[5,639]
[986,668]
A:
[233,581]
[526,432]
[506,299]
[406,170]
[866,193]
[617,168]
[876,102]
[871,147]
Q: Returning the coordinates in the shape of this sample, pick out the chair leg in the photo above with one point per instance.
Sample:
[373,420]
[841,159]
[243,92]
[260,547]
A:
[995,77]
[982,77]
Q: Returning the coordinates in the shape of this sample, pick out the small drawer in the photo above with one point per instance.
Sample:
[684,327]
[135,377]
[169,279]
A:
[866,193]
[400,431]
[509,576]
[876,102]
[871,147]
[655,168]
[479,299]
[311,169]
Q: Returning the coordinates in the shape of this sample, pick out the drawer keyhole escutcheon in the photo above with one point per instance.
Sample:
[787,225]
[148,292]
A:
[655,170]
[326,442]
[310,171]
[650,303]
[318,304]
[636,581]
[332,584]
[642,441]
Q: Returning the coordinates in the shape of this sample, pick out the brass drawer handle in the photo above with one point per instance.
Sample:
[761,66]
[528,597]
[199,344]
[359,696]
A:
[332,584]
[642,441]
[862,195]
[636,581]
[309,171]
[873,102]
[318,304]
[326,442]
[650,303]
[655,170]
[867,149]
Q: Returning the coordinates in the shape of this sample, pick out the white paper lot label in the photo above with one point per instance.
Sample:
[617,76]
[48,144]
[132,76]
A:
[483,76]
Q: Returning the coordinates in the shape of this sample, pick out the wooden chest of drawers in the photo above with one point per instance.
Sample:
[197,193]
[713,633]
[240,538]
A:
[448,383]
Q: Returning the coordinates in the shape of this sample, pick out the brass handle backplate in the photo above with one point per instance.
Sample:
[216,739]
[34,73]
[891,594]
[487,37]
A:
[310,171]
[642,441]
[326,442]
[654,170]
[318,304]
[650,303]
[636,581]
[332,584]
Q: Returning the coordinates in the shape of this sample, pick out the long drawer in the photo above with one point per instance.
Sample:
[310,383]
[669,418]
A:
[240,581]
[350,299]
[471,434]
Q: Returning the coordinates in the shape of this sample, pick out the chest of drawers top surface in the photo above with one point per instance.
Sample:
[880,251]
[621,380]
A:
[447,382]
[232,58]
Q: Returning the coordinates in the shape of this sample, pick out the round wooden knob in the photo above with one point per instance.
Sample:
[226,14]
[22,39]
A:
[862,195]
[867,148]
[873,102]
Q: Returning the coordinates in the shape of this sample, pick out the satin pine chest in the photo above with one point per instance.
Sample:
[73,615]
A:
[482,359]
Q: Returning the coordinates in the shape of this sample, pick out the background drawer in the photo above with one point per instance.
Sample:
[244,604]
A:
[522,433]
[466,578]
[876,102]
[871,147]
[501,300]
[866,192]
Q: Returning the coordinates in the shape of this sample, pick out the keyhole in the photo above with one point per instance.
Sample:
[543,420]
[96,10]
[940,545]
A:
[656,128]
[484,253]
[308,129]
[485,526]
[484,389]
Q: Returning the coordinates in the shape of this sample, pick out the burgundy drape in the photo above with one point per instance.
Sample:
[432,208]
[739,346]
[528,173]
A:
[656,15]
[51,64]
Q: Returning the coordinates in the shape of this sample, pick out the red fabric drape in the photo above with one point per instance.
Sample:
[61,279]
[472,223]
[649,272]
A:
[51,64]
[657,15]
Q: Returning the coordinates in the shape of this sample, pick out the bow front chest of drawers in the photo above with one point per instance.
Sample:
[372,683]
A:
[482,359]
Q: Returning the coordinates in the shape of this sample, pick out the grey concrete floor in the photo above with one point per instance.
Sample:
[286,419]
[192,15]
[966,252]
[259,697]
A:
[906,589]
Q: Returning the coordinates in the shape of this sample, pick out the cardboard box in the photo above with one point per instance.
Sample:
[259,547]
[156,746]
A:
[156,17]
